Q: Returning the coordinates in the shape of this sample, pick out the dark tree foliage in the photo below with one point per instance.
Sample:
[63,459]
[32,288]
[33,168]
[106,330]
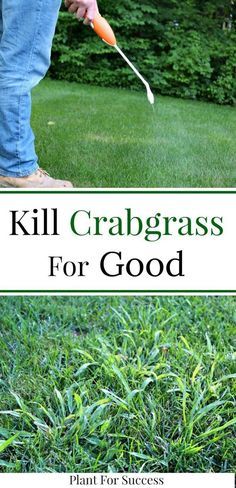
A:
[185,49]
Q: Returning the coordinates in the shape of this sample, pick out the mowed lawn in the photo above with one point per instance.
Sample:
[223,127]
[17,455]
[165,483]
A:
[117,384]
[101,137]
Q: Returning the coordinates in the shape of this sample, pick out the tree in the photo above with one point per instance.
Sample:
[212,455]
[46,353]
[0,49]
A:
[185,49]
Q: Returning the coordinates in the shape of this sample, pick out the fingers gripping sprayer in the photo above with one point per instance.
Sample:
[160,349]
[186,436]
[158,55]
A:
[105,32]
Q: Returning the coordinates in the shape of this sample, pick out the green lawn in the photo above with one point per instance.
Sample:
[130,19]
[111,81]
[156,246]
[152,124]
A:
[117,384]
[105,137]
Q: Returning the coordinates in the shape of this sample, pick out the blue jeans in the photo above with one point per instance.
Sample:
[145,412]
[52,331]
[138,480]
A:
[26,32]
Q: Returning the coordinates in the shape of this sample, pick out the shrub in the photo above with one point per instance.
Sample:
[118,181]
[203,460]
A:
[182,50]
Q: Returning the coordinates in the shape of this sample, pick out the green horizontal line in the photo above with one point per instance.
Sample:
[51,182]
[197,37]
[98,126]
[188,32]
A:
[145,192]
[117,291]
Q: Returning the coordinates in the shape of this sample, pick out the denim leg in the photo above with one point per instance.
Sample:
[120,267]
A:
[28,28]
[1,27]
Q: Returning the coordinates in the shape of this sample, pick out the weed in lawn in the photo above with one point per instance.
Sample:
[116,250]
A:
[117,384]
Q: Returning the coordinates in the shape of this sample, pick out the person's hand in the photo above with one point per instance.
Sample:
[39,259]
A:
[83,9]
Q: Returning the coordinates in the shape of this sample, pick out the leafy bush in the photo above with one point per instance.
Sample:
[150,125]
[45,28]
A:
[183,50]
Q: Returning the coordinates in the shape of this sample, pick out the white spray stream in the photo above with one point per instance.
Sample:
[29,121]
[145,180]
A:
[150,95]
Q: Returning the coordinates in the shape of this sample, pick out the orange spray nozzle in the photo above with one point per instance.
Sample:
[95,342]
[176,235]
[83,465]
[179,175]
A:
[104,30]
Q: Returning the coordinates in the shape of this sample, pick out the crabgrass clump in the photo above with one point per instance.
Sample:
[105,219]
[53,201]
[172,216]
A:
[117,384]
